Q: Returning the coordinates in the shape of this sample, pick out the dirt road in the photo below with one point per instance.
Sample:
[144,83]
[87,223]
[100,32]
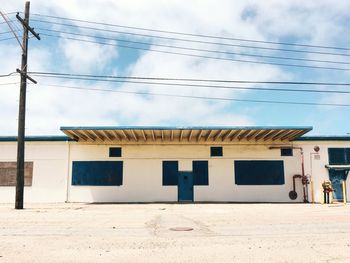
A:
[141,233]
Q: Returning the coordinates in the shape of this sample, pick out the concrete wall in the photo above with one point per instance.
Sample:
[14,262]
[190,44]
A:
[315,163]
[50,161]
[142,176]
[142,172]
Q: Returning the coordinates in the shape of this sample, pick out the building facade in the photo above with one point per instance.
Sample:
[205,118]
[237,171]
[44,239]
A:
[177,164]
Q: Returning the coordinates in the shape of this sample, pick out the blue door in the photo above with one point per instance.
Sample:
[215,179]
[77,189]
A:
[185,187]
[337,177]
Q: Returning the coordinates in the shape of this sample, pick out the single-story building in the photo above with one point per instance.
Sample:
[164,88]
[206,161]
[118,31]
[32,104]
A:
[177,164]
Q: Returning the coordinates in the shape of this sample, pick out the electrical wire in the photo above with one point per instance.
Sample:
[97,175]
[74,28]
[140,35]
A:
[10,83]
[192,34]
[200,85]
[198,56]
[196,41]
[8,38]
[195,49]
[38,73]
[7,75]
[198,97]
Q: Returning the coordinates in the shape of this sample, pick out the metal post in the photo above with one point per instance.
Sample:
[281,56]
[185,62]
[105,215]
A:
[344,192]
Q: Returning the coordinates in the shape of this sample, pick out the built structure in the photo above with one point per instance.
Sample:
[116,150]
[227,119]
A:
[177,164]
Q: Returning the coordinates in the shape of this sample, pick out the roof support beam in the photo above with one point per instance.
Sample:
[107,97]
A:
[125,135]
[190,135]
[181,133]
[98,136]
[217,135]
[87,134]
[75,137]
[153,135]
[227,134]
[144,135]
[81,134]
[235,135]
[116,135]
[292,135]
[162,133]
[208,136]
[172,135]
[270,135]
[256,135]
[107,135]
[262,134]
[199,135]
[251,134]
[280,135]
[134,135]
[243,134]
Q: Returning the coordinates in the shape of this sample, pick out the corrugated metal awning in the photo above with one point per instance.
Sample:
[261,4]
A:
[132,134]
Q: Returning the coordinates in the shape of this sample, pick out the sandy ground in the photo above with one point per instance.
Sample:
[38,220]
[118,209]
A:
[141,233]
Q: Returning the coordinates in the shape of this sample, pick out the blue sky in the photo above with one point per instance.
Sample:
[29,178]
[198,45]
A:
[308,22]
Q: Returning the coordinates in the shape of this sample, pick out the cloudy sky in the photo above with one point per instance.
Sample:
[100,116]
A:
[324,23]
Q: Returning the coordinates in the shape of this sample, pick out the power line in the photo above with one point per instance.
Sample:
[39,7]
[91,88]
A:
[200,97]
[192,34]
[196,49]
[7,20]
[198,56]
[8,75]
[10,83]
[200,85]
[8,38]
[196,41]
[38,73]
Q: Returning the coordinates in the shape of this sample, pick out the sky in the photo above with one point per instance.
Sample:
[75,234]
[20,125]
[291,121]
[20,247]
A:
[325,23]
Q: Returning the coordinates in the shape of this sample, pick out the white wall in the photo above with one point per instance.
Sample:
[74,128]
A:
[142,175]
[49,171]
[316,168]
[142,172]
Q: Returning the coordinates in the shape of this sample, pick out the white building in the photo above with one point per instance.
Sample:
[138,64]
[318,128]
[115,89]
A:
[171,164]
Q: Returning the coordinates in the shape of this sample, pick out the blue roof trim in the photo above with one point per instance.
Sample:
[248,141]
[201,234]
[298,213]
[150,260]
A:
[37,138]
[323,138]
[308,128]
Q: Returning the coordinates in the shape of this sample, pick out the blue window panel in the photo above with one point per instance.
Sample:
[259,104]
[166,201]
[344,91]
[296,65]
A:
[286,152]
[200,172]
[259,172]
[99,173]
[170,172]
[338,156]
[115,152]
[216,151]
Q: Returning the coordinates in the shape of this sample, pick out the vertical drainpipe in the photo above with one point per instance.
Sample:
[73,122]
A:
[68,173]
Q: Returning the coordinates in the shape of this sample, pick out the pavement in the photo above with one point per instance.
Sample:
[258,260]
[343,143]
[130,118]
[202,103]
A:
[144,233]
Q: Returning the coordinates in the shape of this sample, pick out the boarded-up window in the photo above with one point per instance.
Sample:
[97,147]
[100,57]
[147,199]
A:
[98,173]
[259,172]
[170,172]
[200,172]
[339,155]
[8,172]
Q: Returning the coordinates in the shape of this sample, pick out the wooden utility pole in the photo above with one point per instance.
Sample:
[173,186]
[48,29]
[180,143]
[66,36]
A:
[22,106]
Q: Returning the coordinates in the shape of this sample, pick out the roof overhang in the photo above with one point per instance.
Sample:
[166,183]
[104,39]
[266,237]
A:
[338,167]
[212,135]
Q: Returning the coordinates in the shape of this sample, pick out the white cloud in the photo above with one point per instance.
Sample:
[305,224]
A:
[86,57]
[49,108]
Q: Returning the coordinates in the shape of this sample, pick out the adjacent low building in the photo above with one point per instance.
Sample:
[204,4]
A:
[177,164]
